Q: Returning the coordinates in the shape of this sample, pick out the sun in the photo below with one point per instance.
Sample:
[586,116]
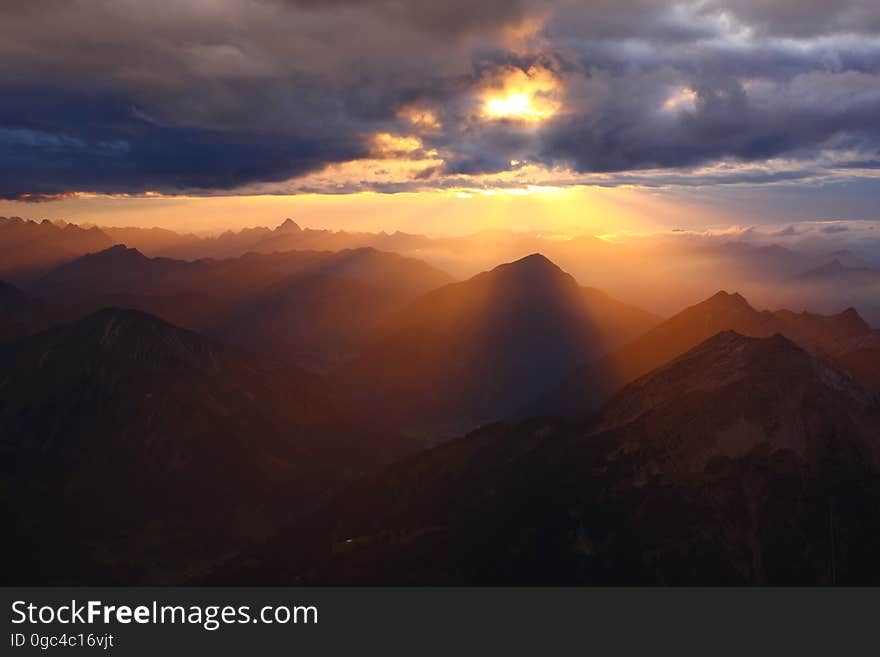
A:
[529,96]
[516,105]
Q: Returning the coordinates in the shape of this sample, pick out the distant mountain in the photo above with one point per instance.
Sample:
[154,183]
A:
[473,352]
[135,451]
[114,271]
[29,248]
[744,461]
[771,261]
[153,241]
[848,258]
[321,315]
[287,236]
[587,387]
[836,285]
[836,272]
[311,308]
[673,270]
[826,335]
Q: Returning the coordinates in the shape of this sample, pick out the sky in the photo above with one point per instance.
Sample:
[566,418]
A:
[568,115]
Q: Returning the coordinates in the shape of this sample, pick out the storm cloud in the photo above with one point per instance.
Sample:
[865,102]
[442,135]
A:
[126,97]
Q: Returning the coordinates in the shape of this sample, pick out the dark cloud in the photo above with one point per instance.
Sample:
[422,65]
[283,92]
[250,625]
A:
[802,18]
[448,18]
[627,130]
[104,146]
[117,97]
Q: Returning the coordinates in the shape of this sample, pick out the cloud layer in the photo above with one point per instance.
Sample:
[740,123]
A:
[129,97]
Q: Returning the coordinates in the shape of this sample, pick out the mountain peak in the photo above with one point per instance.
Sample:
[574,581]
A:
[117,251]
[533,272]
[729,301]
[724,295]
[535,264]
[535,260]
[730,340]
[289,225]
[728,364]
[137,336]
[852,319]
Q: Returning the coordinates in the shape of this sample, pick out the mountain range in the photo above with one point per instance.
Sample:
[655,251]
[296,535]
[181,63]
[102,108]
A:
[834,337]
[310,308]
[29,248]
[156,451]
[295,417]
[843,280]
[661,273]
[743,461]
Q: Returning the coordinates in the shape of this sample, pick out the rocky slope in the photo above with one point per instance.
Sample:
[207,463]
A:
[744,461]
[135,451]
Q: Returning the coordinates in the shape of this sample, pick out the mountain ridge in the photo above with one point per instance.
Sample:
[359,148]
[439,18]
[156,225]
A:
[309,307]
[161,450]
[586,387]
[479,348]
[692,488]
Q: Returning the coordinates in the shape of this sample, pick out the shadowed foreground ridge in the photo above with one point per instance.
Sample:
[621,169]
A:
[20,314]
[159,451]
[745,461]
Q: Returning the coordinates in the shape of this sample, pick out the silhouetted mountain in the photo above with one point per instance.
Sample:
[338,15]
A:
[30,248]
[135,451]
[20,314]
[673,270]
[311,308]
[289,226]
[114,271]
[288,236]
[152,241]
[590,385]
[473,352]
[744,461]
[321,315]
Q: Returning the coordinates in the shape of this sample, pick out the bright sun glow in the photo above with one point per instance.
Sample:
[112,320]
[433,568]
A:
[526,96]
[515,105]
